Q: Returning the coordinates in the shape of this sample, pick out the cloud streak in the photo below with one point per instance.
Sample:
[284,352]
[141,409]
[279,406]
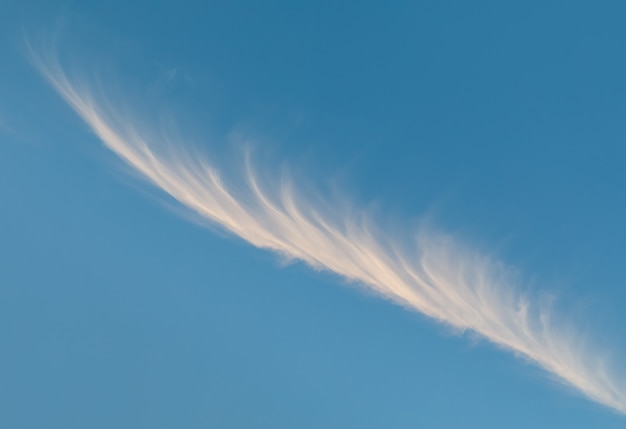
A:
[431,273]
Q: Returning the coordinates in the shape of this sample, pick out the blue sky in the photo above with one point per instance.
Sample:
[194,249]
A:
[450,164]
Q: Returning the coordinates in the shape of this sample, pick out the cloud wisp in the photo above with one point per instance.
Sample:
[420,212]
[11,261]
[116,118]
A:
[431,273]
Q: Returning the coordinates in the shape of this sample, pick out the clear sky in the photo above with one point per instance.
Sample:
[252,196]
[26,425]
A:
[430,232]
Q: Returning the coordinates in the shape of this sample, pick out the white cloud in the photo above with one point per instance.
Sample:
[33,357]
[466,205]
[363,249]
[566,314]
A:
[431,273]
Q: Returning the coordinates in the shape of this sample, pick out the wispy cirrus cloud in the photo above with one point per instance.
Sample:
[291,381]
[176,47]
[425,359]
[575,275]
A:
[431,273]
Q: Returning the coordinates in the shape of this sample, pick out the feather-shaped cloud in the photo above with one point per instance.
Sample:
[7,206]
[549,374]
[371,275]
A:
[432,274]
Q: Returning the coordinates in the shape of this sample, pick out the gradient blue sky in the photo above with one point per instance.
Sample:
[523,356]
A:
[504,123]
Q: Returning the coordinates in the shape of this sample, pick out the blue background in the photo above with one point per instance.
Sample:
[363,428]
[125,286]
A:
[504,120]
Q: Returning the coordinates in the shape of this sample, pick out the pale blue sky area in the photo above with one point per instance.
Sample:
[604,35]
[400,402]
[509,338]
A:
[504,122]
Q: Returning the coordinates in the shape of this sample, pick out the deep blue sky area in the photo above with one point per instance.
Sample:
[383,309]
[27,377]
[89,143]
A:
[503,122]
